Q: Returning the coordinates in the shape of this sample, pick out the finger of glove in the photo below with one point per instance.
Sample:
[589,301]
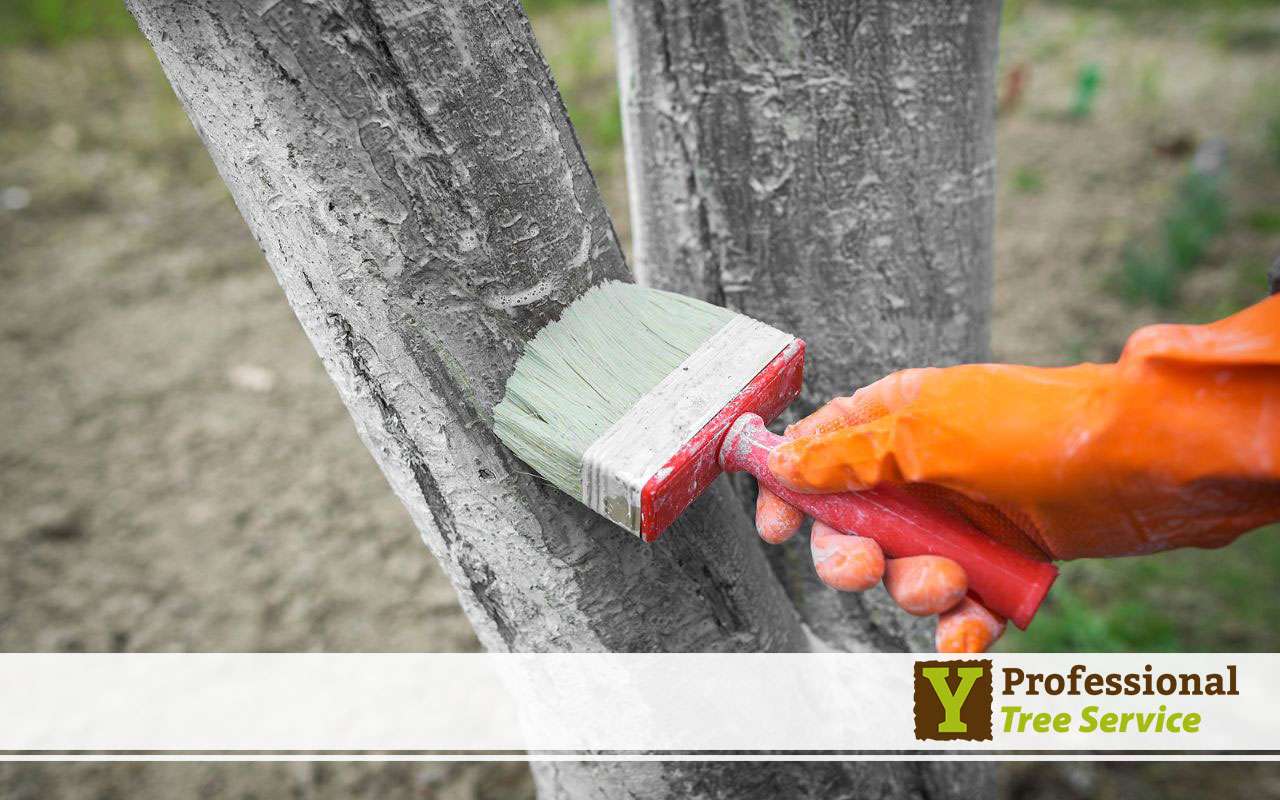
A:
[868,403]
[847,459]
[925,585]
[844,562]
[839,412]
[776,521]
[967,628]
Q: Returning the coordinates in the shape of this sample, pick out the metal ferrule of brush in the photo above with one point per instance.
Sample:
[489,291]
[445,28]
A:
[658,438]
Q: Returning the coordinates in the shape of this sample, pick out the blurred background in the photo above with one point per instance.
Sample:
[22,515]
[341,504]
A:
[177,472]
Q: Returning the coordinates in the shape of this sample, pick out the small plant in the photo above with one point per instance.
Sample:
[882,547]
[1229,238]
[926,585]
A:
[1271,137]
[1197,215]
[1088,81]
[1028,180]
[1145,277]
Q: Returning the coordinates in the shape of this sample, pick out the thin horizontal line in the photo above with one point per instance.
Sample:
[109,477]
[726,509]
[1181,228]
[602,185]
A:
[593,757]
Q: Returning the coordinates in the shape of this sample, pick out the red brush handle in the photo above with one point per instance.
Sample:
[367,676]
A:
[1006,581]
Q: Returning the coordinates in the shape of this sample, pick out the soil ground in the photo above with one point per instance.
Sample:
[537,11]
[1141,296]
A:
[177,473]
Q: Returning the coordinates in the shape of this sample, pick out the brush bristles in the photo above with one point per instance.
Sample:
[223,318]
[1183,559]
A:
[581,373]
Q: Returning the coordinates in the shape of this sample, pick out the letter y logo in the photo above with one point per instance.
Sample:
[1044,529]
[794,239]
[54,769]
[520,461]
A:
[953,700]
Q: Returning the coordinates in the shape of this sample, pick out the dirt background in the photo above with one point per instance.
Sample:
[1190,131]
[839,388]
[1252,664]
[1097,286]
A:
[177,473]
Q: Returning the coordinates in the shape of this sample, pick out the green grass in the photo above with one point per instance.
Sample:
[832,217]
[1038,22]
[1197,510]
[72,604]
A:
[588,85]
[53,22]
[1194,600]
[1264,220]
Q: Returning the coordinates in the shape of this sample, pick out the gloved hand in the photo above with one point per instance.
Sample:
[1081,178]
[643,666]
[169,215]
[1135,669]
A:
[1175,445]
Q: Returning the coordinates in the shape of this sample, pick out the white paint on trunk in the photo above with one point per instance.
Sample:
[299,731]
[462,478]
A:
[825,167]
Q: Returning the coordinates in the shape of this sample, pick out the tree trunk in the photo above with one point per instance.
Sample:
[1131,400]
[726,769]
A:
[824,166]
[409,171]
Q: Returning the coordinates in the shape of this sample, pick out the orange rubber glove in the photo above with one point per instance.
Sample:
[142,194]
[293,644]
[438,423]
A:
[1175,445]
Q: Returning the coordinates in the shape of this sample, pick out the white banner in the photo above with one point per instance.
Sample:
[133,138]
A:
[631,703]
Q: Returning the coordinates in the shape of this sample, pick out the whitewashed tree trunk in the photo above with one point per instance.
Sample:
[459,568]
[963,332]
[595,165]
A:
[409,171]
[825,166]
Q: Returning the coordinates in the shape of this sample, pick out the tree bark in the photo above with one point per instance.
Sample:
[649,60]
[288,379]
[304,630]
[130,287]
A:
[409,172]
[825,166]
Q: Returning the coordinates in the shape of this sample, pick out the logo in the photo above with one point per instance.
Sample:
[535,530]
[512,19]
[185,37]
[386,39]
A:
[953,700]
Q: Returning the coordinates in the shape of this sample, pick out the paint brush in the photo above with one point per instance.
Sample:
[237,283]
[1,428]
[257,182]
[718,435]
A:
[636,399]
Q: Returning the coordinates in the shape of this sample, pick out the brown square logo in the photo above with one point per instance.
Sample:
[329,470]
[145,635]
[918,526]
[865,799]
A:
[953,700]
